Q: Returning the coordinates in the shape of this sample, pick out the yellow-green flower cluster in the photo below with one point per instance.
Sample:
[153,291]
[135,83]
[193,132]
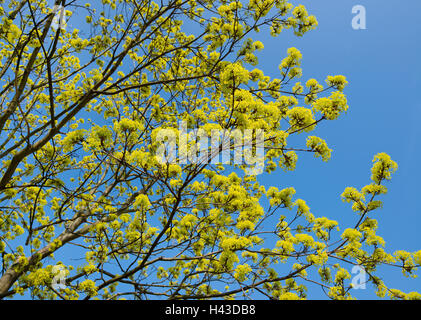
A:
[339,82]
[233,75]
[301,119]
[241,271]
[351,194]
[283,197]
[331,107]
[383,167]
[319,146]
[290,64]
[89,287]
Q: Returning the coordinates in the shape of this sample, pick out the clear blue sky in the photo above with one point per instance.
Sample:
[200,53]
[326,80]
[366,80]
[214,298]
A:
[382,65]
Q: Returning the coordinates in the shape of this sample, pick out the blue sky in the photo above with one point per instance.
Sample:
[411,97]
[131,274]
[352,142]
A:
[382,65]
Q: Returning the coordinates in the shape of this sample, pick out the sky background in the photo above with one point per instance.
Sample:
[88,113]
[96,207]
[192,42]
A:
[382,65]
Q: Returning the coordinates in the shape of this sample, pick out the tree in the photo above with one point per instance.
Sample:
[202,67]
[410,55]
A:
[87,203]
